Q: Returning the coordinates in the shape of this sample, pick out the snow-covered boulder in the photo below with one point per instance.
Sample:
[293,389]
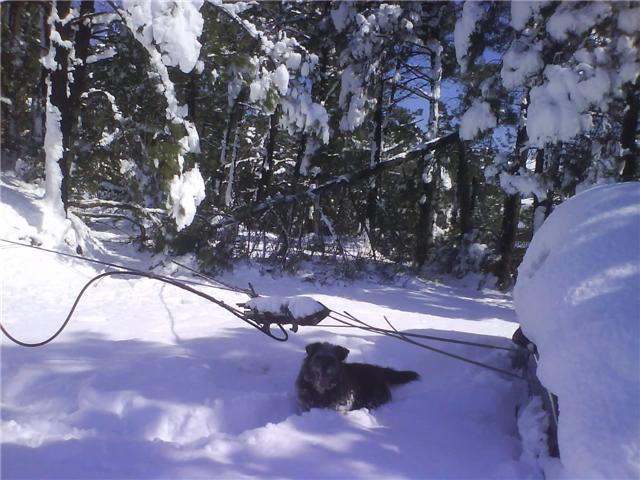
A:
[578,298]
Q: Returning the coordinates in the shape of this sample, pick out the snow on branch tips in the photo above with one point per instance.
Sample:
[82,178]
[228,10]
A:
[520,63]
[174,27]
[186,192]
[280,74]
[472,12]
[573,18]
[342,15]
[522,11]
[476,119]
[558,109]
[169,32]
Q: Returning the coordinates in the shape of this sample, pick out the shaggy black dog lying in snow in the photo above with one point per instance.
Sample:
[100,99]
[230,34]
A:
[325,381]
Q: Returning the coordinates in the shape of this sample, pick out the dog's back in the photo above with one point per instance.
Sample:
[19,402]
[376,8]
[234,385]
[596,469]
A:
[325,381]
[371,383]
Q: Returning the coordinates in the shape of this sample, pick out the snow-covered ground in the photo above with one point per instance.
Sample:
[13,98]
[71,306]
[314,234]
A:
[149,381]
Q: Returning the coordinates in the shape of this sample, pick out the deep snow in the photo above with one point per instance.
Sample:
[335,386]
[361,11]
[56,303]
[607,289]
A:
[149,381]
[578,298]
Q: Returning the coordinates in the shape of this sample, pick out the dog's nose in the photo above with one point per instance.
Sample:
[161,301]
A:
[324,380]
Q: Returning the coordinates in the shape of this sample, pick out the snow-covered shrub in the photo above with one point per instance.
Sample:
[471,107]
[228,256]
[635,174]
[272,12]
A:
[577,297]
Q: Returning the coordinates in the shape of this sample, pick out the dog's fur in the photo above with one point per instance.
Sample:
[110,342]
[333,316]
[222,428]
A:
[325,381]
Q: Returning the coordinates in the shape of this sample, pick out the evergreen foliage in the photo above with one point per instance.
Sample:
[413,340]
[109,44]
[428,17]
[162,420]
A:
[286,96]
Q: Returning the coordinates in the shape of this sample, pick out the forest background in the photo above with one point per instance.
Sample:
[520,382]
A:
[435,136]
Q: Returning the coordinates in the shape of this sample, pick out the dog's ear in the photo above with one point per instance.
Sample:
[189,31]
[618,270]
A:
[312,348]
[341,352]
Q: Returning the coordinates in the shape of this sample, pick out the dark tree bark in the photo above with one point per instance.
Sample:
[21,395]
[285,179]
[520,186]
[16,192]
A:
[59,82]
[287,220]
[628,138]
[511,210]
[541,206]
[39,115]
[464,192]
[79,85]
[12,19]
[427,210]
[266,170]
[510,218]
[65,96]
[234,114]
[429,189]
[376,157]
[475,188]
[192,95]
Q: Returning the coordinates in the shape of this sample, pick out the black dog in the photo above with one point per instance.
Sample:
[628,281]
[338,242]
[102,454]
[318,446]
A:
[325,381]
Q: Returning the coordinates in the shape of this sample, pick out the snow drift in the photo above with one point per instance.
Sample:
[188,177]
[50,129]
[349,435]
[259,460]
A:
[577,299]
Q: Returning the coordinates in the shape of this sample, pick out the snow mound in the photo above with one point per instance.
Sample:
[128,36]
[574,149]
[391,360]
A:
[577,299]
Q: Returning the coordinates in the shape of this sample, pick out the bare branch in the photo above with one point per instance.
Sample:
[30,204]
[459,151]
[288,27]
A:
[248,211]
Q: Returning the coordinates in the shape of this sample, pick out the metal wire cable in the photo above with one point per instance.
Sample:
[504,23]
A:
[261,328]
[350,321]
[115,265]
[404,337]
[428,337]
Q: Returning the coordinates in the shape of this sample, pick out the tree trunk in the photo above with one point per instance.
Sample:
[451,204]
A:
[287,220]
[475,188]
[376,158]
[12,17]
[234,115]
[76,89]
[628,138]
[192,95]
[230,193]
[59,83]
[430,180]
[506,247]
[429,167]
[511,207]
[464,192]
[266,170]
[39,102]
[541,207]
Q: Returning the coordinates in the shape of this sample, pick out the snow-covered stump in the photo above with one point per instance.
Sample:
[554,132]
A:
[577,299]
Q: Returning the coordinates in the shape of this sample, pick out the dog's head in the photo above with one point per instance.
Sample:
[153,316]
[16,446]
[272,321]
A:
[322,367]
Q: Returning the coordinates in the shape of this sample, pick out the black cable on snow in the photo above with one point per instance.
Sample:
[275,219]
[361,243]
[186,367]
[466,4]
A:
[347,319]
